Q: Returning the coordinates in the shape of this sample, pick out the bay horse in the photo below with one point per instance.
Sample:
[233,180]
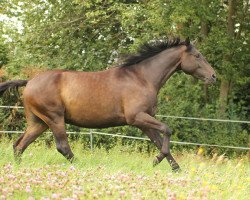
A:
[121,95]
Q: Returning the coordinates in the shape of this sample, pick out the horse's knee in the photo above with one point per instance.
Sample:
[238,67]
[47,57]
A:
[166,130]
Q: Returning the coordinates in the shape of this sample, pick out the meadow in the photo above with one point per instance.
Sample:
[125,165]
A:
[120,173]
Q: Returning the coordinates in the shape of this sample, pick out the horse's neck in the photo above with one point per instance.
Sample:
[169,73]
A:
[158,69]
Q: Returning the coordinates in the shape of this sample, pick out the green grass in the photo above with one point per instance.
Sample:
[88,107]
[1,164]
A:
[120,173]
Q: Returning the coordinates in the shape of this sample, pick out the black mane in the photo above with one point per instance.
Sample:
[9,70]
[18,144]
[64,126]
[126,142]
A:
[150,49]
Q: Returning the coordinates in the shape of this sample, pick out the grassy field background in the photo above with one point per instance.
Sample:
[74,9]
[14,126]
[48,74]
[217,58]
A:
[121,173]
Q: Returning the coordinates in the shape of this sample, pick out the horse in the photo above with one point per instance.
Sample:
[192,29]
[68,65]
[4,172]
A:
[125,94]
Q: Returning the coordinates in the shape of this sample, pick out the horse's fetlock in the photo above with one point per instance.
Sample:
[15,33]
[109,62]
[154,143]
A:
[17,149]
[60,149]
[65,151]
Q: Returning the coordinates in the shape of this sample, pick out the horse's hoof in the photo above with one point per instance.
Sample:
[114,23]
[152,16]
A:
[72,160]
[75,160]
[17,157]
[176,168]
[155,162]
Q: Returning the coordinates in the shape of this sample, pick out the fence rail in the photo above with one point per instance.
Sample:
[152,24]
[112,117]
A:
[205,119]
[91,133]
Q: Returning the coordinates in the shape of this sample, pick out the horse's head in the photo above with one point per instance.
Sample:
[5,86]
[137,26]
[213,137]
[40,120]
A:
[193,63]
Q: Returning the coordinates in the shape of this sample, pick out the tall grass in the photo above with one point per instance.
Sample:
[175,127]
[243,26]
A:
[121,172]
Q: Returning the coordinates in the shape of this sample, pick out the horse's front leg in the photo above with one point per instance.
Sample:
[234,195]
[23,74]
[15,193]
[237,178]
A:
[146,122]
[156,138]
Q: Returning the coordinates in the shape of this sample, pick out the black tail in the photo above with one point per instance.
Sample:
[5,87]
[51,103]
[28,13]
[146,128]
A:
[11,84]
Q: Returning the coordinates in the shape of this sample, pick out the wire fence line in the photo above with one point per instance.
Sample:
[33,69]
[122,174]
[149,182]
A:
[12,107]
[92,132]
[169,116]
[205,119]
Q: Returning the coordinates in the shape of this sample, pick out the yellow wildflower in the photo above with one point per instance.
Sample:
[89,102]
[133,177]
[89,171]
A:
[204,183]
[200,151]
[193,169]
[214,187]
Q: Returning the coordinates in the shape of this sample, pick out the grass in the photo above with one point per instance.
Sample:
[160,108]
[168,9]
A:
[119,174]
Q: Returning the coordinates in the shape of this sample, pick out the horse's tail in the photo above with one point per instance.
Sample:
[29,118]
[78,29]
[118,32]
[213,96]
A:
[11,85]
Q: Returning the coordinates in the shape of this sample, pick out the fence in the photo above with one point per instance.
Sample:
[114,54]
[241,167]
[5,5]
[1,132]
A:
[93,132]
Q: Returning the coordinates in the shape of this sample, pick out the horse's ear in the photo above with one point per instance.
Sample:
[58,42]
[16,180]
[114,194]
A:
[187,41]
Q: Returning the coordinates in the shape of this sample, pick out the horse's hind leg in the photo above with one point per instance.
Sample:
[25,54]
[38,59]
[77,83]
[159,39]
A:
[62,145]
[18,140]
[35,128]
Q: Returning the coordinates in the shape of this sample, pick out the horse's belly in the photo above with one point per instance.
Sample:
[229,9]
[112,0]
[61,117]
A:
[95,124]
[94,120]
[94,114]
